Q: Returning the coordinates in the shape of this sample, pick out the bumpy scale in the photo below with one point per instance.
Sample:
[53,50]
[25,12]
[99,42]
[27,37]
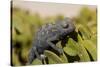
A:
[48,33]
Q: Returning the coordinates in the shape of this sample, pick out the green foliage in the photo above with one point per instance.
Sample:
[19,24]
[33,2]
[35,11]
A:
[24,26]
[36,62]
[71,48]
[91,48]
[53,56]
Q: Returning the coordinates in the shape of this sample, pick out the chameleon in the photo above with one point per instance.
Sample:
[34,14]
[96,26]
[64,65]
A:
[47,35]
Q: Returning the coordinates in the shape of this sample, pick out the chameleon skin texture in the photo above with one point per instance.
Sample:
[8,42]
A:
[48,34]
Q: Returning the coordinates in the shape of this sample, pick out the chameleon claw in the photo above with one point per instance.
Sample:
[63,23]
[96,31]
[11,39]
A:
[42,56]
[60,51]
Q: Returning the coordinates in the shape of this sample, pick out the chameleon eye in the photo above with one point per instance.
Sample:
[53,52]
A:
[64,24]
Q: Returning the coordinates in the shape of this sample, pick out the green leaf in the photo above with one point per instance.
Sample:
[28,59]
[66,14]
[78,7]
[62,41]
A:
[24,53]
[71,48]
[15,60]
[18,23]
[85,32]
[82,53]
[70,51]
[36,62]
[79,39]
[94,39]
[51,61]
[91,48]
[64,58]
[53,56]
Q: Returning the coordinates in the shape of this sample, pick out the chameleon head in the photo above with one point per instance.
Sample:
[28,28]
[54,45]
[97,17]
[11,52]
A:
[65,23]
[67,26]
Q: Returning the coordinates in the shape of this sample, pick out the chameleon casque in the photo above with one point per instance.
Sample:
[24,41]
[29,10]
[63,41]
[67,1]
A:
[46,35]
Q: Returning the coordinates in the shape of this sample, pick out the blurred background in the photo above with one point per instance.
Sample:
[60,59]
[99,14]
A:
[28,17]
[51,9]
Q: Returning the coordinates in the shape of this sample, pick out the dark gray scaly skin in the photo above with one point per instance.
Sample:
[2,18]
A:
[47,34]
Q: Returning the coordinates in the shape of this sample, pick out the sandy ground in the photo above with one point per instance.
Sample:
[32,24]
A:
[50,9]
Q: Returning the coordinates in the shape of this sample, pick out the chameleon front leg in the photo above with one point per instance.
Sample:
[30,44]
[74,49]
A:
[53,45]
[36,53]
